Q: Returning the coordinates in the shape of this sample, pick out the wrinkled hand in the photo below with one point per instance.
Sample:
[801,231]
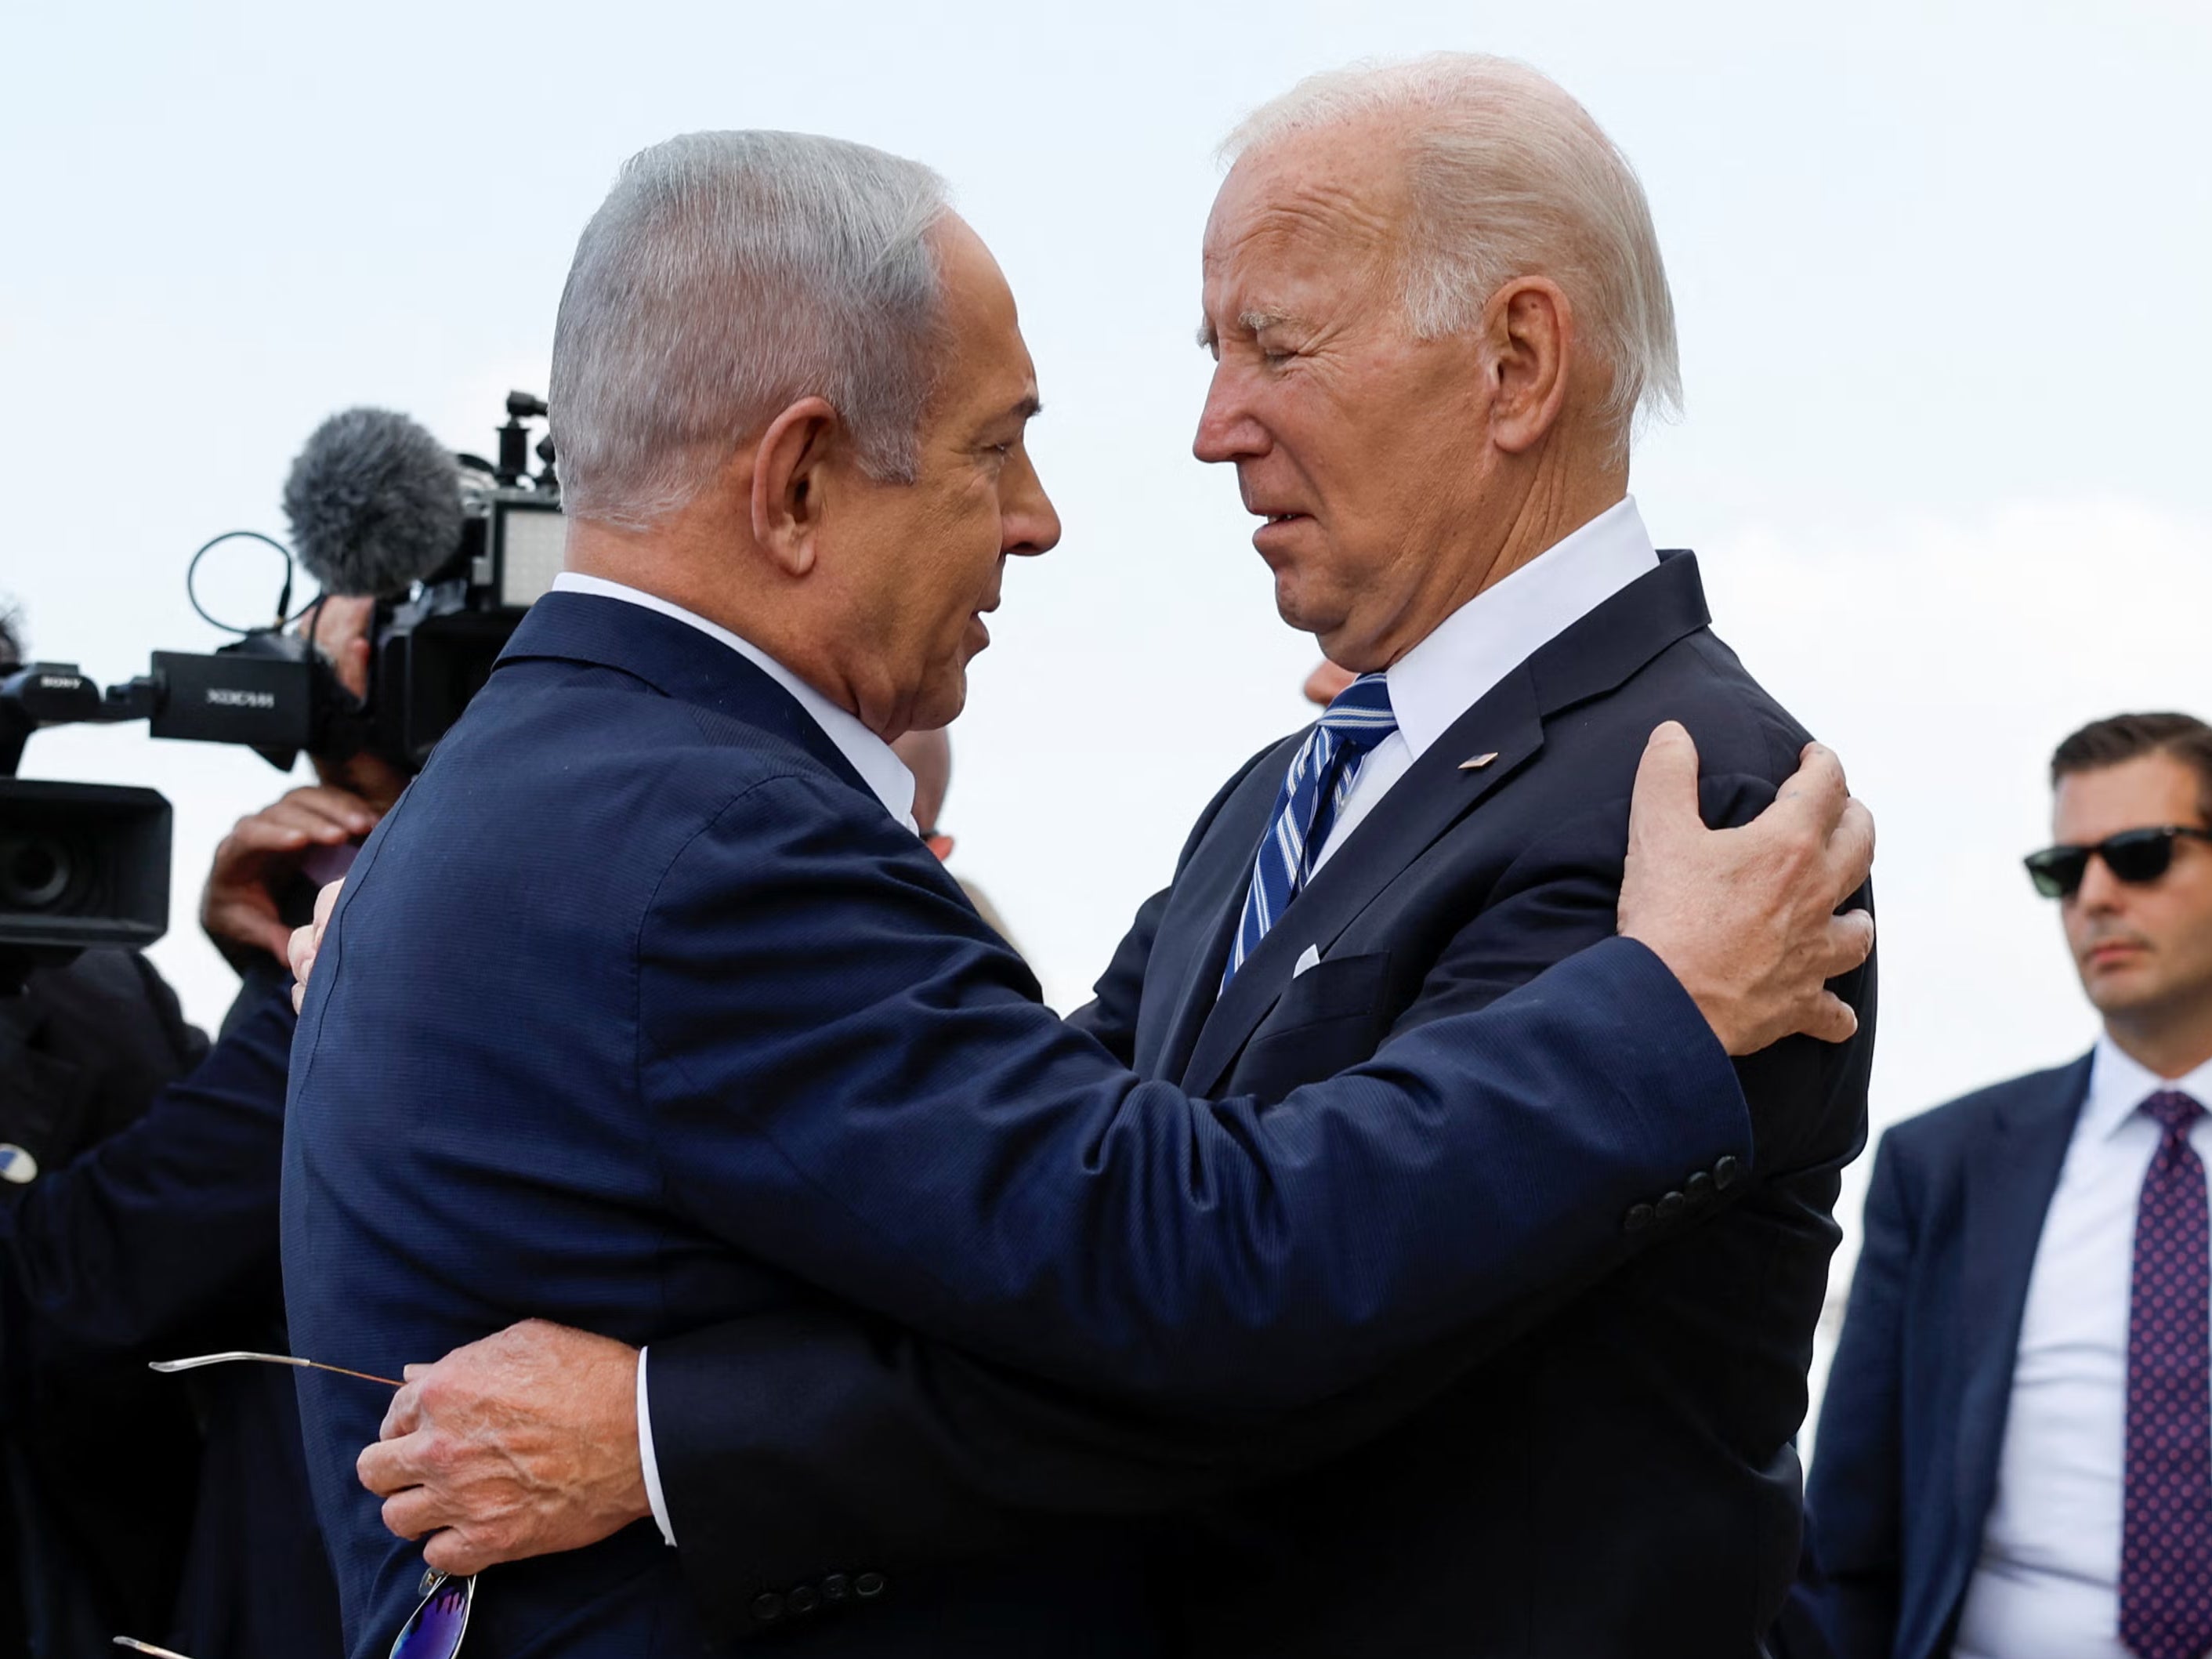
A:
[522,1444]
[263,852]
[305,942]
[1746,918]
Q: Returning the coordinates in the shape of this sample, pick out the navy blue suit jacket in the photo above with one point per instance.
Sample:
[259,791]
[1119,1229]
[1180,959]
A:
[1913,1420]
[640,1013]
[1615,1474]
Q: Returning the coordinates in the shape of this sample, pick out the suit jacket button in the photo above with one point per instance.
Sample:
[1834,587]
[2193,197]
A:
[1671,1206]
[868,1586]
[801,1600]
[1638,1219]
[1726,1172]
[1699,1188]
[836,1587]
[768,1606]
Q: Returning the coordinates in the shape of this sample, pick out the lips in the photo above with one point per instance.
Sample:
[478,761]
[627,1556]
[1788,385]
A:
[2112,953]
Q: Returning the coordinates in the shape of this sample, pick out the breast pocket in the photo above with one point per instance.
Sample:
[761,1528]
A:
[1328,1018]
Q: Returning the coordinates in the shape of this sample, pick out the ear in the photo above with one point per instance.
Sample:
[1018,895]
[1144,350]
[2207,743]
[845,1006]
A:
[791,473]
[1528,329]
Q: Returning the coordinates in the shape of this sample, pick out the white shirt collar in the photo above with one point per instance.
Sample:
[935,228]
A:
[872,757]
[1485,639]
[2119,1084]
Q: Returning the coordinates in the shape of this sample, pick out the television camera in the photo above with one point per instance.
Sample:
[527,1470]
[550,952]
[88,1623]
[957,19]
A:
[453,549]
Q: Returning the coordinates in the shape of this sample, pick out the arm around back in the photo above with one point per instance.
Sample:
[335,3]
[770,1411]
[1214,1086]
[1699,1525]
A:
[785,1443]
[894,1117]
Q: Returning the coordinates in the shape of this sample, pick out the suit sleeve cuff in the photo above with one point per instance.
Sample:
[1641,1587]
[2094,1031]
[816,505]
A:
[645,1458]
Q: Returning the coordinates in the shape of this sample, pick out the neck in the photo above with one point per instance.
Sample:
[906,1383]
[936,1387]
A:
[1554,495]
[2172,1045]
[714,570]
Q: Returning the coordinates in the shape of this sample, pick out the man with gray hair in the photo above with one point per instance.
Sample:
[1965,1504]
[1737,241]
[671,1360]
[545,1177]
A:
[701,1047]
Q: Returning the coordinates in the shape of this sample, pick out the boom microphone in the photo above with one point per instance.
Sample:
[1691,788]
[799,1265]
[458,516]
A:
[375,503]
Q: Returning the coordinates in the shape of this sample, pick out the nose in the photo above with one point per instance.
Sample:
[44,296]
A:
[2099,894]
[1227,429]
[1029,524]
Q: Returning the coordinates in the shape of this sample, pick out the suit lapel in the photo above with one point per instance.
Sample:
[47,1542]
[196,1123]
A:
[1590,658]
[2008,1192]
[1435,794]
[1192,946]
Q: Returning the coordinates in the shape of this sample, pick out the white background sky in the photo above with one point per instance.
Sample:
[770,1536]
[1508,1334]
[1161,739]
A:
[1942,273]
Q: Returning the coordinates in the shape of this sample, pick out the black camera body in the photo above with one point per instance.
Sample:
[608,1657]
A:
[432,650]
[86,865]
[81,864]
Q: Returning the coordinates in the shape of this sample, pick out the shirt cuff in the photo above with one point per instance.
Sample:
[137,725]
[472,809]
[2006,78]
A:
[652,1494]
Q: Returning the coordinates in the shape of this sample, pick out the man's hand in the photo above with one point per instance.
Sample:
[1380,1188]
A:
[1746,918]
[261,854]
[305,942]
[522,1444]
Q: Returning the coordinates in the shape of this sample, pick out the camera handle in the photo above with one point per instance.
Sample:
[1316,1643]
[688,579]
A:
[41,694]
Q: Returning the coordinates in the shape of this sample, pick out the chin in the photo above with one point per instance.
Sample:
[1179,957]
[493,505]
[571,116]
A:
[940,704]
[2118,991]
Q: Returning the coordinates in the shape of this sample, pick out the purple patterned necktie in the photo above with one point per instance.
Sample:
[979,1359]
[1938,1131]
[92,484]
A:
[2165,1541]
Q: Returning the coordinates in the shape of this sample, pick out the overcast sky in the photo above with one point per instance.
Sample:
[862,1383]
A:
[1941,273]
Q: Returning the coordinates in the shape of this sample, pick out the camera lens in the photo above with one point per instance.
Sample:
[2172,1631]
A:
[34,872]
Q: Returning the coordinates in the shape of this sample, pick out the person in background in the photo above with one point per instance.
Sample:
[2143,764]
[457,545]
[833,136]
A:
[99,1456]
[158,1238]
[2015,1459]
[268,868]
[1327,681]
[928,756]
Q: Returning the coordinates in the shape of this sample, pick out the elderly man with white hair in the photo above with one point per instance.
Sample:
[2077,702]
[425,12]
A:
[1388,1262]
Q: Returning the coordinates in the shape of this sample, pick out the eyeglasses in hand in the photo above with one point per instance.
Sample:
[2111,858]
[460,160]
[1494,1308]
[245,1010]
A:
[434,1629]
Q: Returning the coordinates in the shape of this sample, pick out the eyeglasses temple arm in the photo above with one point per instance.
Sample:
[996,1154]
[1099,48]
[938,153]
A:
[166,1366]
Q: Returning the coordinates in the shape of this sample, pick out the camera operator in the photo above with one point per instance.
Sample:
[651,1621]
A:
[98,1458]
[162,1239]
[268,868]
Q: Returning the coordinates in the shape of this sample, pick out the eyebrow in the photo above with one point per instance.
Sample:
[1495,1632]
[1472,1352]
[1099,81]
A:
[1251,320]
[1028,409]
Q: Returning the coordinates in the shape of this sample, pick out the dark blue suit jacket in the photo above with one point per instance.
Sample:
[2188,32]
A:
[1913,1420]
[640,1013]
[1615,1474]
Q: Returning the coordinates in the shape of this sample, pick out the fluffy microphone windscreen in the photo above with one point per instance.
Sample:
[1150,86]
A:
[374,501]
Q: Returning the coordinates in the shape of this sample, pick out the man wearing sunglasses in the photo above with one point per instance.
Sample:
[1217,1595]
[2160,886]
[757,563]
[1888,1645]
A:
[2015,1459]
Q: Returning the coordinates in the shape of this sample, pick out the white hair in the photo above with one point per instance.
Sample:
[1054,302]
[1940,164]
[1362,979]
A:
[727,276]
[1510,177]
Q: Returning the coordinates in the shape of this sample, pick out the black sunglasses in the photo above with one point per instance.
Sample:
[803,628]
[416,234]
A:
[2133,856]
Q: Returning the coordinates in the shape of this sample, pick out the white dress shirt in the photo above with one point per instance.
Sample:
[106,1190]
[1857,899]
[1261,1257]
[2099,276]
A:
[1486,639]
[879,769]
[2047,1583]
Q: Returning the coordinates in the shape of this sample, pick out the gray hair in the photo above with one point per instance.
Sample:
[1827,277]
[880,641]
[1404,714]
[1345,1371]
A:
[11,636]
[727,276]
[1510,177]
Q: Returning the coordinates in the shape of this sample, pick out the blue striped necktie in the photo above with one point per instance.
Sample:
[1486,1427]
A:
[1314,792]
